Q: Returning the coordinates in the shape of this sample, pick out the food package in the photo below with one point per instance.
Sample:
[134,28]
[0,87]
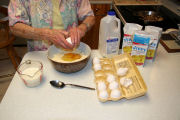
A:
[129,30]
[117,78]
[153,45]
[140,46]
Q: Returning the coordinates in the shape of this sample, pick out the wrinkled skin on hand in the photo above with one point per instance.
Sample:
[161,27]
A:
[76,34]
[58,37]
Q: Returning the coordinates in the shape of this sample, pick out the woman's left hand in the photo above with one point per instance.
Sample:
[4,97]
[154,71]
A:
[76,34]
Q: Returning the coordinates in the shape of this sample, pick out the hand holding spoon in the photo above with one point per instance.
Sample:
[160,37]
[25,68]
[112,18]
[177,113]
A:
[59,84]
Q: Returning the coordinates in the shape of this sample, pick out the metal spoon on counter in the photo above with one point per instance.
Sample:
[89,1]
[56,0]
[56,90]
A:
[59,84]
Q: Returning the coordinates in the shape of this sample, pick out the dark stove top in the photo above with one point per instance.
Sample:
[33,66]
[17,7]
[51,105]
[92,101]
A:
[170,19]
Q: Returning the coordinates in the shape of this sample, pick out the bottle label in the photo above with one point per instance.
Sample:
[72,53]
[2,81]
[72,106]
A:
[112,46]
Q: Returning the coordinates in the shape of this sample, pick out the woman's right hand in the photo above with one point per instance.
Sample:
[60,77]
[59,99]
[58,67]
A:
[58,37]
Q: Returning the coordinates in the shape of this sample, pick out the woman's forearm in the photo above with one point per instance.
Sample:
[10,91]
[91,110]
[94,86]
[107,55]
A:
[54,36]
[26,31]
[87,23]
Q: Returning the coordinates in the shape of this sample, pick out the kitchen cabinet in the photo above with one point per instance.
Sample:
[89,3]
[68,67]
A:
[92,36]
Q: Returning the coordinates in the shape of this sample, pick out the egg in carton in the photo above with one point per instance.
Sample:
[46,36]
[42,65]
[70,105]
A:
[106,78]
[108,88]
[101,88]
[114,87]
[102,67]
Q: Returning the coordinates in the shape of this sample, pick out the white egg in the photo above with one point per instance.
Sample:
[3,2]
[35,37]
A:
[96,60]
[122,71]
[115,93]
[113,85]
[126,82]
[101,86]
[110,78]
[97,67]
[103,94]
[69,40]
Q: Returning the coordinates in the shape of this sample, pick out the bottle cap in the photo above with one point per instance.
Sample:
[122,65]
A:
[111,13]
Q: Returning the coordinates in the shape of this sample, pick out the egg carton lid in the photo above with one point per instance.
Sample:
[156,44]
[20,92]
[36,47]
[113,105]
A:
[138,87]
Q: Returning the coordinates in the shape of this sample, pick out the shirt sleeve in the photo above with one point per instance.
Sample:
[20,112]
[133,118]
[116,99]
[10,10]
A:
[18,12]
[84,9]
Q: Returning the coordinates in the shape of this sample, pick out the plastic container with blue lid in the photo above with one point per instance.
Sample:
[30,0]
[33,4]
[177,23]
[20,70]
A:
[111,13]
[109,35]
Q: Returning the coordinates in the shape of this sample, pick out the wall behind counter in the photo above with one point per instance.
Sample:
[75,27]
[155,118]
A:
[4,2]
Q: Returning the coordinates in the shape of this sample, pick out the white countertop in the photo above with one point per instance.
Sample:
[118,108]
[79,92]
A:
[162,101]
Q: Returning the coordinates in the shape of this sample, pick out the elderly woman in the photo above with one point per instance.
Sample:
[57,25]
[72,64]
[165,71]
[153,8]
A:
[44,22]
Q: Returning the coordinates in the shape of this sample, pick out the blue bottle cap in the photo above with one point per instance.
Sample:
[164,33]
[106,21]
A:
[112,13]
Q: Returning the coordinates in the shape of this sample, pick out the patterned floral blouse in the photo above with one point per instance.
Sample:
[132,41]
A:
[57,14]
